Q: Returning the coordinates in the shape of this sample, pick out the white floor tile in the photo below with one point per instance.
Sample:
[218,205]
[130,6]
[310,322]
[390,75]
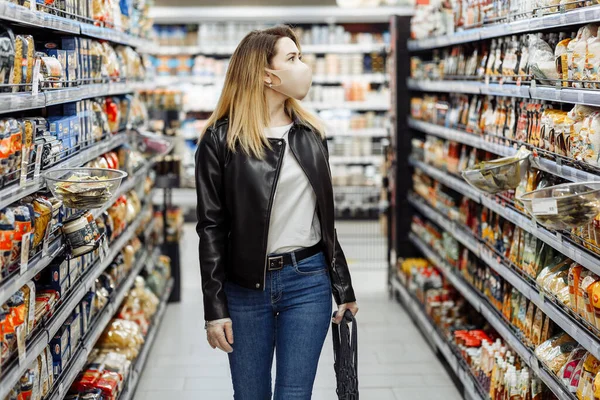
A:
[395,362]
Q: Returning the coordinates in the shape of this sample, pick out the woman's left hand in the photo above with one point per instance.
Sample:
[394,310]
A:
[353,307]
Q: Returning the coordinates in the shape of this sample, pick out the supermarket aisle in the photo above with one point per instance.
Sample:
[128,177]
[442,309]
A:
[395,361]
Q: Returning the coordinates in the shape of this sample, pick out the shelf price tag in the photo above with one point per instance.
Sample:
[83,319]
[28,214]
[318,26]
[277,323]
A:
[21,347]
[25,242]
[544,207]
[38,161]
[35,80]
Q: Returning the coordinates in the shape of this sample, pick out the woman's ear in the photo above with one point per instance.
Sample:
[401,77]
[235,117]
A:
[268,79]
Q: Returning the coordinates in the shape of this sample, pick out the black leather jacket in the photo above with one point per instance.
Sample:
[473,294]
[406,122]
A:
[235,195]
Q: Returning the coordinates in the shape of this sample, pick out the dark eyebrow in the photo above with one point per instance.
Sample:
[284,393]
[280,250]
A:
[293,52]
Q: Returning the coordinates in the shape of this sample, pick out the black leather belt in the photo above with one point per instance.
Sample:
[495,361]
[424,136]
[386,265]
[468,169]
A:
[275,263]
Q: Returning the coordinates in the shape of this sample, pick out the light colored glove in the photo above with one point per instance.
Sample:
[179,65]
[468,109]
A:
[219,333]
[353,307]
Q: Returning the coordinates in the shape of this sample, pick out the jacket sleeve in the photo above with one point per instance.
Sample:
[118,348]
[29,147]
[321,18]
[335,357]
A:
[212,227]
[340,275]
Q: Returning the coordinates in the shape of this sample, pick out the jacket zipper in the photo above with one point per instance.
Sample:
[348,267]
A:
[271,199]
[329,173]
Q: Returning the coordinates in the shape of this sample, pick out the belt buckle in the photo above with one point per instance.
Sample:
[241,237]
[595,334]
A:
[275,263]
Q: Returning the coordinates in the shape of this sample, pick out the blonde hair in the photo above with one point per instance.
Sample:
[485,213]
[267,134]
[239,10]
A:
[243,97]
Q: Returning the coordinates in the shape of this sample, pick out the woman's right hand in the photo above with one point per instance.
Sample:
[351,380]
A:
[219,333]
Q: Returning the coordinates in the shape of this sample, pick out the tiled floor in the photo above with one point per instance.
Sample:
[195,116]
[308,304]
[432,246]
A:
[395,363]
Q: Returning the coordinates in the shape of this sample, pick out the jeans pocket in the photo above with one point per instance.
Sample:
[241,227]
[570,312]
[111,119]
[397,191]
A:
[312,265]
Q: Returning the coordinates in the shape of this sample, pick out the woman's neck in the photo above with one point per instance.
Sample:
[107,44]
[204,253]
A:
[276,104]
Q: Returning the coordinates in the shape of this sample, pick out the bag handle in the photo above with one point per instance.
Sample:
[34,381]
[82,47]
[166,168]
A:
[345,353]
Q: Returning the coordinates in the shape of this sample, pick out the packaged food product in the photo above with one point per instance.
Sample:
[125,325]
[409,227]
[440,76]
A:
[591,365]
[536,332]
[568,370]
[556,351]
[7,57]
[585,303]
[574,275]
[51,72]
[541,61]
[577,51]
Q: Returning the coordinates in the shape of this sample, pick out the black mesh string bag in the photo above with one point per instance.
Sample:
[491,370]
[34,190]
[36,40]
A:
[345,353]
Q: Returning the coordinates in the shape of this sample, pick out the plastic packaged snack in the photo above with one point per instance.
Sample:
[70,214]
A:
[562,64]
[51,72]
[568,370]
[591,365]
[541,61]
[556,351]
[7,57]
[577,51]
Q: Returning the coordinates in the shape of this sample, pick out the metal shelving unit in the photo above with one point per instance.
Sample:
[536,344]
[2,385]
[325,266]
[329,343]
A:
[564,18]
[438,342]
[590,97]
[562,318]
[38,19]
[16,370]
[482,305]
[556,168]
[15,192]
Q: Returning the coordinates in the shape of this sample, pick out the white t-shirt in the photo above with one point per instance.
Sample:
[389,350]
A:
[294,221]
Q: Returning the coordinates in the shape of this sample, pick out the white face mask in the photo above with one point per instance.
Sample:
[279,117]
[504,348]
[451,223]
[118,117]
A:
[295,82]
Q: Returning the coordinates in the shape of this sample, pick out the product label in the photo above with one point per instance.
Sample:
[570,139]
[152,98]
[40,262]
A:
[25,241]
[544,207]
[81,237]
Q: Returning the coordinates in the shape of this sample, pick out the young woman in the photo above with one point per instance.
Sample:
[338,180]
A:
[269,256]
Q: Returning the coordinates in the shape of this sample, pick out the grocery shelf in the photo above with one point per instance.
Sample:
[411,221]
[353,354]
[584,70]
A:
[78,360]
[14,102]
[334,79]
[377,78]
[40,261]
[578,16]
[22,15]
[554,239]
[129,391]
[415,309]
[491,315]
[452,182]
[11,377]
[225,50]
[374,160]
[279,14]
[39,19]
[570,325]
[348,105]
[556,168]
[366,132]
[13,193]
[447,133]
[460,234]
[472,87]
[131,183]
[589,97]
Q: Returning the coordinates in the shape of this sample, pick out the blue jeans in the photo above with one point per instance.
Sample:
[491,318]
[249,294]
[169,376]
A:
[290,317]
